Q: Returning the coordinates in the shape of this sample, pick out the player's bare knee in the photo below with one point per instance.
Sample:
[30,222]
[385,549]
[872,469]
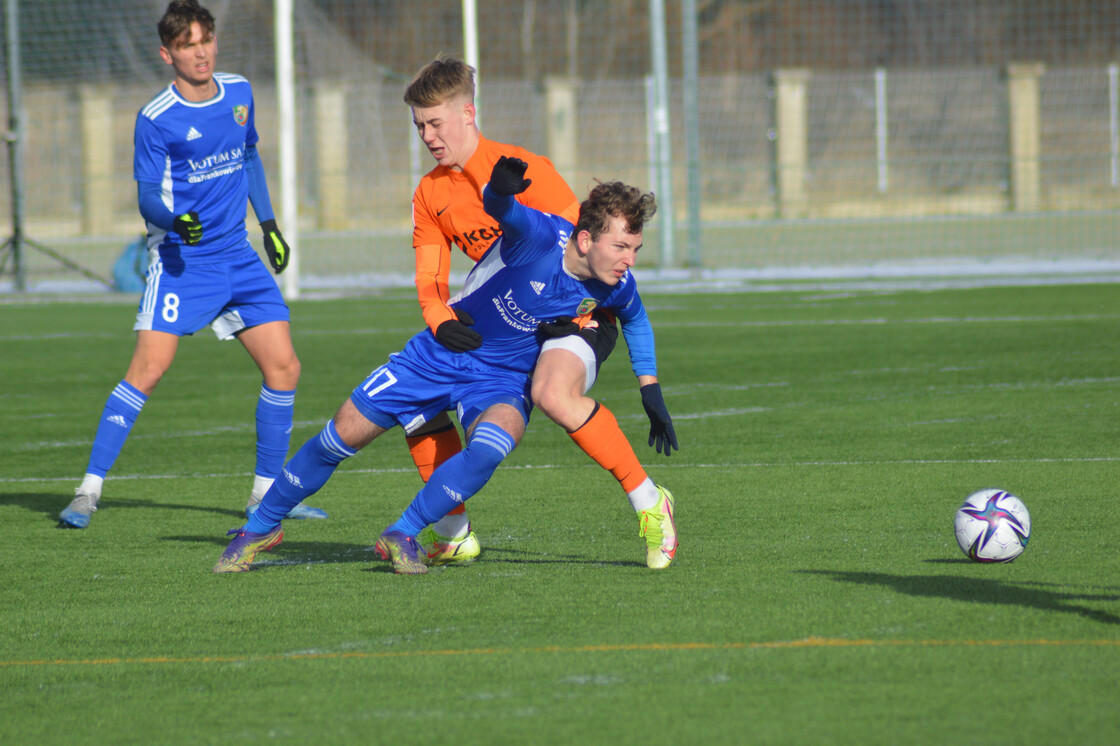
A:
[565,407]
[548,398]
[283,375]
[145,375]
[292,372]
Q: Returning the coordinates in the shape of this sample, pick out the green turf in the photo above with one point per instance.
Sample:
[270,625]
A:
[818,595]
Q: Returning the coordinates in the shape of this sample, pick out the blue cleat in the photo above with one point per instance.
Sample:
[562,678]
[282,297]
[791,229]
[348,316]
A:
[299,512]
[79,510]
[302,512]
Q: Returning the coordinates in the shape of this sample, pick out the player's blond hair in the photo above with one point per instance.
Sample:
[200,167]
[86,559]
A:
[614,199]
[177,20]
[440,81]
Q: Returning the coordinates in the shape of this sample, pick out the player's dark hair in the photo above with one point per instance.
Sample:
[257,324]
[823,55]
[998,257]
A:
[615,199]
[177,20]
[441,80]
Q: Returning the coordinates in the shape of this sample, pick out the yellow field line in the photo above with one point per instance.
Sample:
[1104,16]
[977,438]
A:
[808,642]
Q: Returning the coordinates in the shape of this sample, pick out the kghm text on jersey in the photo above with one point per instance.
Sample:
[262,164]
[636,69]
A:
[480,236]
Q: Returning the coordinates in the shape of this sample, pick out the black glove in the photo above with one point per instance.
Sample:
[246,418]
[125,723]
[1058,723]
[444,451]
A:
[275,246]
[456,335]
[660,424]
[188,227]
[561,327]
[508,177]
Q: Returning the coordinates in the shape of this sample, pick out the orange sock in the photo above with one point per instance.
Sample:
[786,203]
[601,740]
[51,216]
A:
[602,439]
[430,450]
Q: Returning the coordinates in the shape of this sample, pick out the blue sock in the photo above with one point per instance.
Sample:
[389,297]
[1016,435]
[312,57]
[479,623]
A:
[457,479]
[117,419]
[274,427]
[303,476]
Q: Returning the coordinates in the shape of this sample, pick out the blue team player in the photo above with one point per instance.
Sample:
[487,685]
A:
[539,271]
[195,165]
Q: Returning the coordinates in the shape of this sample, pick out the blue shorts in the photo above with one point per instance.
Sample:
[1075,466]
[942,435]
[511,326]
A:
[425,380]
[232,295]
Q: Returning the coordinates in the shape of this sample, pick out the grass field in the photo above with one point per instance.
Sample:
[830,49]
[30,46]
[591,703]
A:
[818,597]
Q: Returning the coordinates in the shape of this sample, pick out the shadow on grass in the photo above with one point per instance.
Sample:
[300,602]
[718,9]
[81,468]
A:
[297,552]
[319,552]
[51,504]
[521,557]
[981,590]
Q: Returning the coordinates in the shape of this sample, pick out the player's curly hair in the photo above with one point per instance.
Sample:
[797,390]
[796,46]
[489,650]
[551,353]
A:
[615,199]
[177,20]
[441,80]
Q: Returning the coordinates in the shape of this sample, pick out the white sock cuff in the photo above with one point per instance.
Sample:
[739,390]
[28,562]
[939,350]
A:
[260,486]
[644,497]
[454,526]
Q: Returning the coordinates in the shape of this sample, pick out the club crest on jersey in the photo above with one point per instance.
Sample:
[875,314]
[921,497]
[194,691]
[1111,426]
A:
[241,114]
[586,306]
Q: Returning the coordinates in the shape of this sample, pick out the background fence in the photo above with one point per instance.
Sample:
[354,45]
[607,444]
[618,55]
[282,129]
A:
[835,136]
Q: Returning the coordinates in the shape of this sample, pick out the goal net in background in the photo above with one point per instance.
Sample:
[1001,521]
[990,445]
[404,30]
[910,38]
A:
[835,137]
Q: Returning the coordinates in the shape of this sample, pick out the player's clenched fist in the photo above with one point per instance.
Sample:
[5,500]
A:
[508,176]
[189,228]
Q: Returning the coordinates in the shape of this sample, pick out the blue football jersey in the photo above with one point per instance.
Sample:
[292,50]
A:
[521,281]
[196,153]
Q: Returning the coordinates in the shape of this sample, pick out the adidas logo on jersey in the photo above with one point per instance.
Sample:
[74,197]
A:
[537,286]
[118,420]
[193,134]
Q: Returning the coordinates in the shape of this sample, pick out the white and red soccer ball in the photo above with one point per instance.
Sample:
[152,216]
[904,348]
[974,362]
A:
[992,526]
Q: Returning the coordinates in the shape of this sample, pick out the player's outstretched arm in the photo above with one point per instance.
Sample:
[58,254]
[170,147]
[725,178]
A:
[275,247]
[643,359]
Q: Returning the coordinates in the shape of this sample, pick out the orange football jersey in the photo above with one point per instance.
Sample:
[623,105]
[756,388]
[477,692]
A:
[447,209]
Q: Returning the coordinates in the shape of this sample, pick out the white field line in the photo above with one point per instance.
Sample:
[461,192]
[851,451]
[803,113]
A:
[877,321]
[628,417]
[658,465]
[296,332]
[878,276]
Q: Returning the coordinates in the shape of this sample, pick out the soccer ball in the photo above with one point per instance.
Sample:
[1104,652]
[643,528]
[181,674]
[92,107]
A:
[992,526]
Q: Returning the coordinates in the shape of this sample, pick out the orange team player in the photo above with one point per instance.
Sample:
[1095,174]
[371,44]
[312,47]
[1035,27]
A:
[447,209]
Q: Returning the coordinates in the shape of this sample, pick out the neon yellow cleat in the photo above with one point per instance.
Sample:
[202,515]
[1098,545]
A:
[244,547]
[660,531]
[436,549]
